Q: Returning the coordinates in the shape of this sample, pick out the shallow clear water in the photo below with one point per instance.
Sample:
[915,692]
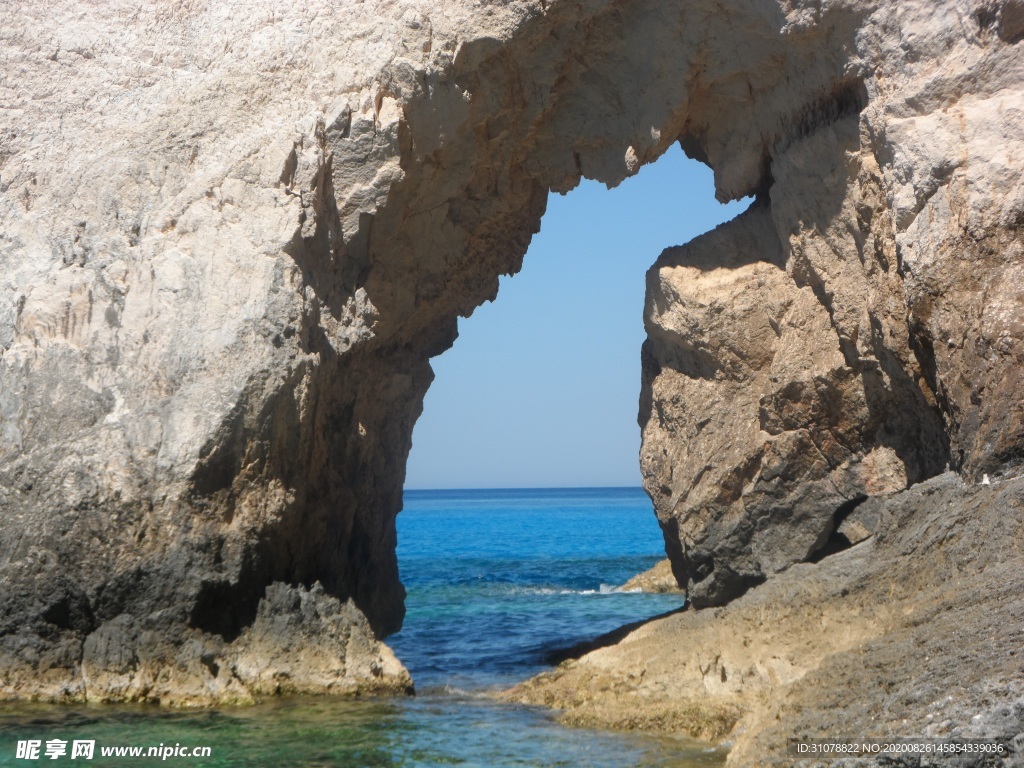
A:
[496,580]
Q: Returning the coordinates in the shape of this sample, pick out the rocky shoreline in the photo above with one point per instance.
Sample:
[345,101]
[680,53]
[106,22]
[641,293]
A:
[917,631]
[302,642]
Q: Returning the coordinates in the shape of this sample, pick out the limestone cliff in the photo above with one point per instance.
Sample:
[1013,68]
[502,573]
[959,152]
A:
[233,235]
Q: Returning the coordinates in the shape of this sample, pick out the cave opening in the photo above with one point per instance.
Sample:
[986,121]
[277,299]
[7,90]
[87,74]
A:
[541,387]
[523,513]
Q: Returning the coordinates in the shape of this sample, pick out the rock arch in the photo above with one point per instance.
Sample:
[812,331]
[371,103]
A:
[228,265]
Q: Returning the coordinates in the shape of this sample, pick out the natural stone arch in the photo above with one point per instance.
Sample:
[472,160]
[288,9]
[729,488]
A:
[233,426]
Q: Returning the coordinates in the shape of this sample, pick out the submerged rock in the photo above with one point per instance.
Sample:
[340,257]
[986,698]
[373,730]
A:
[659,579]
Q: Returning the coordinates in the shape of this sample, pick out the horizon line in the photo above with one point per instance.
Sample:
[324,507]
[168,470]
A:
[536,488]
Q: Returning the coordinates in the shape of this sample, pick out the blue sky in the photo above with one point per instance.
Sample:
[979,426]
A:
[542,387]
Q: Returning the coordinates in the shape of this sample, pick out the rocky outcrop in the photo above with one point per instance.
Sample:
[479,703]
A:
[760,432]
[233,236]
[301,642]
[914,633]
[658,579]
[856,331]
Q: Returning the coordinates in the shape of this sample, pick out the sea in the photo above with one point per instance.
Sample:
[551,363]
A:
[500,584]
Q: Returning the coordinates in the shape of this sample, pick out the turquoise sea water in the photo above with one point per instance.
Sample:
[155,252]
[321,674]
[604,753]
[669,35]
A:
[497,581]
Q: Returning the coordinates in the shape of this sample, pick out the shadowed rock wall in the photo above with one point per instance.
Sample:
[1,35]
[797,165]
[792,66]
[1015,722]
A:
[233,236]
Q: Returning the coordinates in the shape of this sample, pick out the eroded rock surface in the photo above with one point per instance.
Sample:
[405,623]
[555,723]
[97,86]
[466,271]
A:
[302,641]
[234,234]
[858,329]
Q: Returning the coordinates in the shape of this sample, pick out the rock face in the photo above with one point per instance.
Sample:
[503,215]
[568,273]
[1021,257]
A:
[301,641]
[234,234]
[858,329]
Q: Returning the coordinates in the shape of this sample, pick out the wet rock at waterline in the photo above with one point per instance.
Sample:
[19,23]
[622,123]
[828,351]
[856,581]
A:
[658,578]
[300,642]
[233,236]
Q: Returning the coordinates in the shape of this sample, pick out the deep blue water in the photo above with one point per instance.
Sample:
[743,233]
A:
[496,580]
